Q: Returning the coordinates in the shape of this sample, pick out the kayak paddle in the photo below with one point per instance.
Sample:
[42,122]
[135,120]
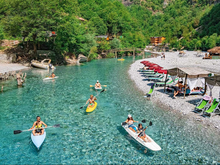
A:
[94,85]
[95,96]
[150,124]
[19,131]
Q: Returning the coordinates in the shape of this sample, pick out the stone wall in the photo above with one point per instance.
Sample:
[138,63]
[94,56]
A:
[7,58]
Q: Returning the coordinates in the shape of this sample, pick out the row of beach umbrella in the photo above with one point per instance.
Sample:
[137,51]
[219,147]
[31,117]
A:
[155,67]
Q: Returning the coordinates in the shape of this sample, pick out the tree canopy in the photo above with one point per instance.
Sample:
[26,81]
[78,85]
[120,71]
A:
[192,24]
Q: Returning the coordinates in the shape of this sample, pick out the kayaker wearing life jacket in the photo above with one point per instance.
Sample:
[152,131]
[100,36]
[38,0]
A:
[142,134]
[91,100]
[130,122]
[37,126]
[98,85]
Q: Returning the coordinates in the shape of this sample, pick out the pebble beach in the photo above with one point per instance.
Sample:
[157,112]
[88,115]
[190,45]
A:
[182,106]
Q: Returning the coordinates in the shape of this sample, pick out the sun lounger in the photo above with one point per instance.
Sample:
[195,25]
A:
[155,78]
[151,90]
[168,82]
[153,75]
[201,105]
[188,91]
[146,71]
[212,108]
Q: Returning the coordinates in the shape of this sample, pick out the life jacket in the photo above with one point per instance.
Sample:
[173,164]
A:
[38,126]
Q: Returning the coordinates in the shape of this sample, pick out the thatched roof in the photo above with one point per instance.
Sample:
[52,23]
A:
[214,80]
[191,72]
[215,50]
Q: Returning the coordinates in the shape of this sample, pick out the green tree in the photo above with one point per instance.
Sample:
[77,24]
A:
[115,43]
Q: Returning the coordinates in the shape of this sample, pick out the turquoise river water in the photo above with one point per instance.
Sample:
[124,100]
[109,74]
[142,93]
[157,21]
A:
[95,138]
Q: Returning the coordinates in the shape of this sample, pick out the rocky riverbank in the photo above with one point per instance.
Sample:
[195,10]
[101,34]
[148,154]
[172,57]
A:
[179,105]
[8,69]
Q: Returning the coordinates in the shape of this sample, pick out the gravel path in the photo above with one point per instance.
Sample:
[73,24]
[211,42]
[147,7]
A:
[179,105]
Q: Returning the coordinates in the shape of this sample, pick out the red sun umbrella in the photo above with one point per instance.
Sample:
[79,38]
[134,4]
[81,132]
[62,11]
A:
[151,64]
[146,62]
[162,71]
[142,62]
[156,70]
[157,66]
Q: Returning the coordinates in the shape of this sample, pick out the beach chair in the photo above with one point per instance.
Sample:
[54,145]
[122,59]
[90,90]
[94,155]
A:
[201,105]
[153,75]
[146,71]
[212,108]
[168,82]
[155,78]
[151,90]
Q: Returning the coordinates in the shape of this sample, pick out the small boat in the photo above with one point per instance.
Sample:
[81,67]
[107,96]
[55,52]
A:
[50,78]
[121,59]
[90,109]
[38,140]
[44,64]
[150,145]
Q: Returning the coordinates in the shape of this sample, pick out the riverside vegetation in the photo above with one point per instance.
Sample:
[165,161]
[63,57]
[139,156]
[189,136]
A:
[188,24]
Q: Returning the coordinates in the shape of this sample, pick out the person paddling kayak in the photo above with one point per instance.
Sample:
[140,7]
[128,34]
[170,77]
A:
[37,126]
[142,134]
[98,85]
[52,75]
[130,122]
[91,100]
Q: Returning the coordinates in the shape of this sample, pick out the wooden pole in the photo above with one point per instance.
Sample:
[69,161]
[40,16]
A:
[185,86]
[205,88]
[165,82]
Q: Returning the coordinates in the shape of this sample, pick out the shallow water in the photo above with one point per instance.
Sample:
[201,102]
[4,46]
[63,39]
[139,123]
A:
[96,137]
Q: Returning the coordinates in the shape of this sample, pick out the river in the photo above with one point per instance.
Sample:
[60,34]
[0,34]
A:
[95,138]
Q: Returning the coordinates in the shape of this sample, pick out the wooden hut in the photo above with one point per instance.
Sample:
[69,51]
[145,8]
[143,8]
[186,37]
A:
[215,52]
[157,40]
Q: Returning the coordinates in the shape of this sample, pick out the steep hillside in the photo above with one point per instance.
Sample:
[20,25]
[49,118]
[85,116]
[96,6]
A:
[196,22]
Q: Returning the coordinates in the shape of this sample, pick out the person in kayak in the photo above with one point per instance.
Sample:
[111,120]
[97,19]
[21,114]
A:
[37,126]
[98,85]
[52,75]
[91,100]
[130,122]
[142,134]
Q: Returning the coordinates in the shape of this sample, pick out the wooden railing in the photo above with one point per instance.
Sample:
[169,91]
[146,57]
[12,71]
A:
[115,51]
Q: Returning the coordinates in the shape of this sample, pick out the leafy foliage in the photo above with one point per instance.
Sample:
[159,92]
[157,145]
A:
[189,24]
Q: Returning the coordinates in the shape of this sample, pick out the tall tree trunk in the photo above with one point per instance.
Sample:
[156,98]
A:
[35,45]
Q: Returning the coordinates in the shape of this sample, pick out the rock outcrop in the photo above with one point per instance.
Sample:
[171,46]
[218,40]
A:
[82,58]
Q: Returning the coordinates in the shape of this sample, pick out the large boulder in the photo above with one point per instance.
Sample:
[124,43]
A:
[82,58]
[72,60]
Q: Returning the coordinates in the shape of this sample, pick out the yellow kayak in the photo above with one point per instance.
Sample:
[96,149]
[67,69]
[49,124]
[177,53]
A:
[121,59]
[90,109]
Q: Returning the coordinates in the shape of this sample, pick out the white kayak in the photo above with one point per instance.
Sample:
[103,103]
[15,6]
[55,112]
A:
[50,78]
[98,88]
[152,145]
[38,139]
